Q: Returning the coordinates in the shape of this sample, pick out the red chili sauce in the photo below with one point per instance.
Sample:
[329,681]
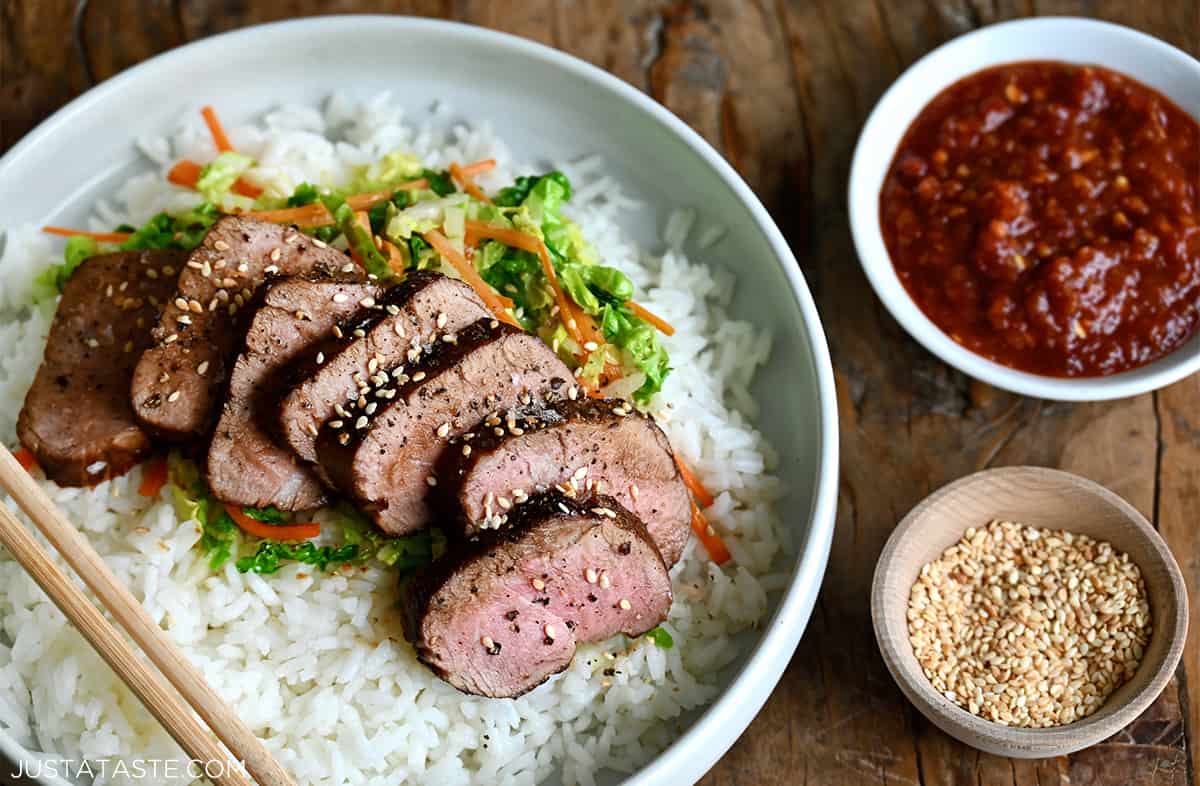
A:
[1046,216]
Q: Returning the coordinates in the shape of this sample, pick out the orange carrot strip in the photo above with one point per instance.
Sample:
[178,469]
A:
[708,536]
[247,189]
[471,276]
[467,184]
[154,477]
[478,167]
[661,324]
[217,131]
[26,459]
[395,258]
[693,483]
[185,173]
[99,237]
[527,242]
[261,529]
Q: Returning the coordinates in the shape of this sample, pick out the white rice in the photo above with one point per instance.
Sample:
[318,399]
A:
[313,661]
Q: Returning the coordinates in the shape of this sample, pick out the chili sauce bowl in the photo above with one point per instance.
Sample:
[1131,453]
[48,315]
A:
[1154,63]
[1048,499]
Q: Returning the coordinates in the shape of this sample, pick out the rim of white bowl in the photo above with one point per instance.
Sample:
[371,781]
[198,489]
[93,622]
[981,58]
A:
[935,72]
[721,723]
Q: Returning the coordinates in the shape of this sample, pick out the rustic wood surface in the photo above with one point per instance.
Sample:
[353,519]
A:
[781,89]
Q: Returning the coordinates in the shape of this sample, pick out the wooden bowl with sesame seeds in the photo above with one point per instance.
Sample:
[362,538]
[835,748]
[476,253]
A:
[1048,684]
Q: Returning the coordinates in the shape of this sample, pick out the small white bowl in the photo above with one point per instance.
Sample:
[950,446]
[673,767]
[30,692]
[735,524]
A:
[1148,60]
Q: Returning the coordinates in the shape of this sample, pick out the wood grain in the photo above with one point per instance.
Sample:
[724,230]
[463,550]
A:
[781,87]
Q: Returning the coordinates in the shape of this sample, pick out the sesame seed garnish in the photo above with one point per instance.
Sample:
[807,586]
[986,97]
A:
[336,424]
[1012,613]
[372,365]
[605,581]
[181,304]
[340,297]
[538,584]
[311,429]
[367,302]
[563,508]
[344,438]
[221,245]
[634,492]
[625,604]
[590,576]
[338,408]
[195,306]
[319,243]
[244,267]
[194,265]
[580,473]
[443,430]
[450,338]
[591,346]
[504,503]
[622,411]
[348,267]
[361,423]
[171,399]
[320,358]
[371,408]
[229,283]
[441,320]
[91,342]
[420,375]
[359,333]
[270,270]
[276,254]
[183,319]
[171,339]
[151,273]
[573,392]
[492,647]
[431,480]
[550,632]
[495,323]
[466,450]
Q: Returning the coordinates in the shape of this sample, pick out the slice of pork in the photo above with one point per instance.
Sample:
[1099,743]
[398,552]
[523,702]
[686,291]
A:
[499,615]
[579,445]
[77,418]
[245,465]
[380,450]
[407,317]
[177,383]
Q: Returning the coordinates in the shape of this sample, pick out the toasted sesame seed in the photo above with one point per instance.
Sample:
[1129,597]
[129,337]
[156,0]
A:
[367,302]
[538,584]
[441,320]
[431,480]
[362,421]
[194,265]
[348,267]
[91,342]
[580,473]
[359,333]
[344,438]
[466,450]
[311,429]
[181,304]
[340,297]
[625,604]
[573,392]
[420,375]
[563,508]
[195,306]
[503,502]
[550,632]
[605,581]
[171,339]
[276,254]
[590,575]
[316,241]
[183,319]
[270,270]
[336,424]
[634,492]
[171,399]
[443,429]
[244,267]
[221,245]
[370,410]
[320,358]
[487,642]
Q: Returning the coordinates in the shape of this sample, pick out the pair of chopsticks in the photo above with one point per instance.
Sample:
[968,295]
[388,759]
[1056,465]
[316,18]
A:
[173,708]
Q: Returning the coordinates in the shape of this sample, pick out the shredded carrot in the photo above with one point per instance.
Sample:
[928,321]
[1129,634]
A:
[315,215]
[481,230]
[395,257]
[708,536]
[154,477]
[693,483]
[654,319]
[467,184]
[99,237]
[26,459]
[470,275]
[261,529]
[218,132]
[185,173]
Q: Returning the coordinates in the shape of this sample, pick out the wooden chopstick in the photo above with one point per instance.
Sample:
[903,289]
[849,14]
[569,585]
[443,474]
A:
[166,705]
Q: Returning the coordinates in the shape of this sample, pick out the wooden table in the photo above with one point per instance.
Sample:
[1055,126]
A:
[781,88]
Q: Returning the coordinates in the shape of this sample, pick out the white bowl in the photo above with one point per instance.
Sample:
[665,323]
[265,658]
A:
[547,106]
[1152,62]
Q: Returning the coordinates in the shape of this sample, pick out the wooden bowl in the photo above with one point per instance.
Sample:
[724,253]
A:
[1042,498]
